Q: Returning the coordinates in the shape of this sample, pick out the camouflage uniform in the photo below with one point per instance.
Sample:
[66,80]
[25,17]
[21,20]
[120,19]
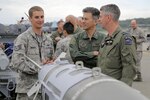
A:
[78,30]
[21,96]
[54,35]
[81,48]
[117,56]
[140,38]
[63,46]
[35,48]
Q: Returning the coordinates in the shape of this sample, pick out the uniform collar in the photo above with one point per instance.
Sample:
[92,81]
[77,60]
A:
[114,34]
[34,35]
[95,35]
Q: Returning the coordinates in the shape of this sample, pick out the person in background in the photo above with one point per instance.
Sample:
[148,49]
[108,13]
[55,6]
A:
[85,45]
[58,34]
[139,36]
[63,44]
[80,21]
[148,40]
[2,45]
[22,19]
[7,48]
[74,20]
[20,22]
[35,45]
[117,56]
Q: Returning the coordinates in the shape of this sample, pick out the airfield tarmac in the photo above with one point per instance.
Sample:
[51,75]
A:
[144,86]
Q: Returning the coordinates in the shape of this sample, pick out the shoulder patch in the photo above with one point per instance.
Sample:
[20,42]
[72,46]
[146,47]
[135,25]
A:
[83,44]
[128,40]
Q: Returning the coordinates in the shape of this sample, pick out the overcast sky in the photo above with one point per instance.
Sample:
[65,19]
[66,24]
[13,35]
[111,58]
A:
[13,10]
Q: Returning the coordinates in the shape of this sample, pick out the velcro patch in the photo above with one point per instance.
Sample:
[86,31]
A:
[128,40]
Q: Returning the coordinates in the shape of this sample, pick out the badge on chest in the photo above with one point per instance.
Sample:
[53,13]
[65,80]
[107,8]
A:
[107,42]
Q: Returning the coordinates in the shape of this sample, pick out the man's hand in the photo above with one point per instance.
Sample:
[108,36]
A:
[58,38]
[47,61]
[96,53]
[2,45]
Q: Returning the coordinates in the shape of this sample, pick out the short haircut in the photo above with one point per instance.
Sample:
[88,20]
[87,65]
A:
[94,11]
[60,21]
[33,9]
[111,9]
[68,27]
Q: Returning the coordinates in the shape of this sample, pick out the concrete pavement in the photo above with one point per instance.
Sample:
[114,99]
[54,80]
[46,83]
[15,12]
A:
[144,86]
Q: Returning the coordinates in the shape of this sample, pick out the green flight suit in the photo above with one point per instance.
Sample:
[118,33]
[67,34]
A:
[81,48]
[118,56]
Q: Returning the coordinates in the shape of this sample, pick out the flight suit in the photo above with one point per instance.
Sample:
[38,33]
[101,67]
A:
[37,49]
[118,56]
[81,48]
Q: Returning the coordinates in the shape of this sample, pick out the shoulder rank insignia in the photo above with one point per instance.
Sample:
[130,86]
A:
[128,40]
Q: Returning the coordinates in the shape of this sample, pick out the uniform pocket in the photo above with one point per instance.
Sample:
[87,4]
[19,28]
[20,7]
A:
[127,57]
[47,50]
[33,49]
[96,46]
[83,45]
[113,62]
